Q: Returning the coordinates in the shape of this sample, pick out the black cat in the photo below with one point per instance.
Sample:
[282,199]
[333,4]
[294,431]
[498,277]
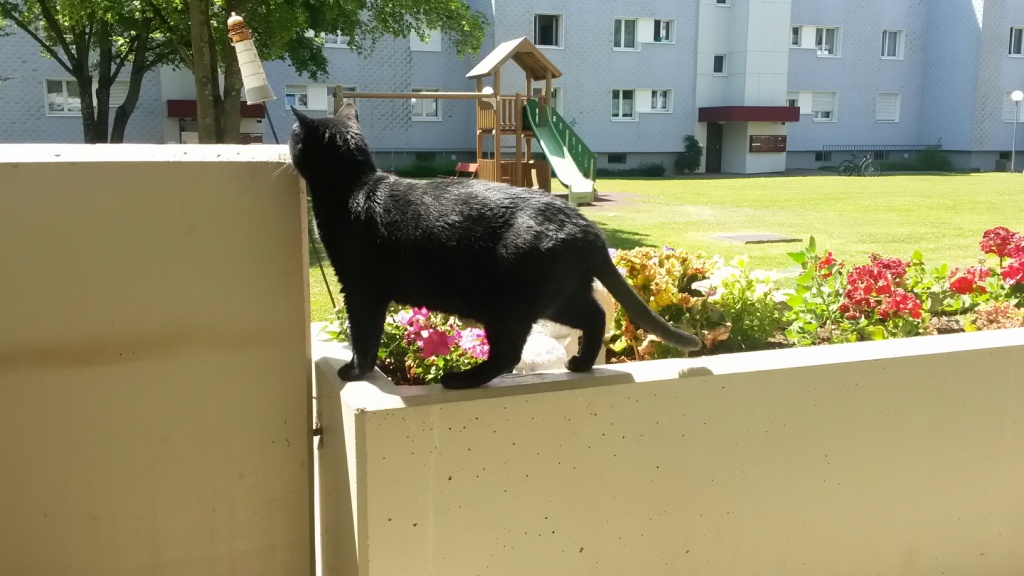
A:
[500,255]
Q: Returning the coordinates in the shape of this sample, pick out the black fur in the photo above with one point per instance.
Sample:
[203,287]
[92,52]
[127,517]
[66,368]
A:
[500,255]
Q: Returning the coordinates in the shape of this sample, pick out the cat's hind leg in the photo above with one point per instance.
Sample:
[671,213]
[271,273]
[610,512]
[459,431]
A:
[582,312]
[366,314]
[506,340]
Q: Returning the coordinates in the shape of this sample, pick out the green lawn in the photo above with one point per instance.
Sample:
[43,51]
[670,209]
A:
[941,215]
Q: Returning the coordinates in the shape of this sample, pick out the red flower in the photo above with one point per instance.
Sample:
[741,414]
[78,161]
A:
[998,241]
[894,266]
[900,304]
[825,265]
[1013,273]
[968,280]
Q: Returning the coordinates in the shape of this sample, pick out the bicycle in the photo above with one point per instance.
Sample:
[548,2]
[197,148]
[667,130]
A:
[863,165]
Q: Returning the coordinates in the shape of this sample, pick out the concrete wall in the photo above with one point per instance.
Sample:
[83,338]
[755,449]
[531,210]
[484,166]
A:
[889,458]
[154,362]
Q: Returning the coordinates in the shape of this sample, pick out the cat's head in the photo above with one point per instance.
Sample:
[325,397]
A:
[332,147]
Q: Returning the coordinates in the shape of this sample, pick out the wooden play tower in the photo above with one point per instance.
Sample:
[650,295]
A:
[511,123]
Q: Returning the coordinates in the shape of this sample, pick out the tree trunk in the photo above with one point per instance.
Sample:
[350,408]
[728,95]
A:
[204,69]
[103,81]
[83,76]
[138,72]
[231,111]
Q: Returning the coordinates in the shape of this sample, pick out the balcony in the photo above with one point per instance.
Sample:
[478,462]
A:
[157,411]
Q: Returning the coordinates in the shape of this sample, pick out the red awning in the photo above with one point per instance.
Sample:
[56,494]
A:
[749,114]
[189,109]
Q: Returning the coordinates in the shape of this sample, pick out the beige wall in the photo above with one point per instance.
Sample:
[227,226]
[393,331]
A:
[889,458]
[154,371]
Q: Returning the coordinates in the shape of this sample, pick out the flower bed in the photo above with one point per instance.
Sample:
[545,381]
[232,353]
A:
[732,307]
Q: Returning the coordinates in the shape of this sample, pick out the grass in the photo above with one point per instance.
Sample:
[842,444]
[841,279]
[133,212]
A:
[941,215]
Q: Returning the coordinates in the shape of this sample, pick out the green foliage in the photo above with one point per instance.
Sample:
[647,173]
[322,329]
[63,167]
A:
[644,170]
[666,280]
[933,158]
[689,158]
[747,298]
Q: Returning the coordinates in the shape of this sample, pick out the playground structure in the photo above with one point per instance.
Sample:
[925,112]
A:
[511,123]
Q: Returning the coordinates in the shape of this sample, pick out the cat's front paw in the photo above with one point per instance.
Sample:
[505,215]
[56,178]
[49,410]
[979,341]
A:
[578,364]
[351,371]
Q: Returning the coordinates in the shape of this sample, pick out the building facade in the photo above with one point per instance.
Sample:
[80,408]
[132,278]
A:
[764,85]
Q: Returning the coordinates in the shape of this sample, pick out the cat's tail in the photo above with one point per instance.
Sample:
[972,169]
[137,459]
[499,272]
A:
[639,313]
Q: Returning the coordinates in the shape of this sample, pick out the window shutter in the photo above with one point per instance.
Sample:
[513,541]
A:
[886,107]
[822,101]
[118,93]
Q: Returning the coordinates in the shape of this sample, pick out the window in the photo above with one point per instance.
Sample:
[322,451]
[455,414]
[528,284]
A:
[625,34]
[1016,39]
[336,40]
[881,154]
[661,100]
[892,44]
[663,31]
[887,107]
[330,95]
[719,66]
[296,95]
[616,158]
[431,44]
[622,105]
[794,36]
[426,108]
[62,98]
[426,156]
[793,99]
[547,30]
[556,93]
[826,40]
[1010,108]
[823,106]
[722,2]
[823,156]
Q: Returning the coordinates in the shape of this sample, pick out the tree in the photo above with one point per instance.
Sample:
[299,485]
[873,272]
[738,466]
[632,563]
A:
[689,158]
[93,40]
[198,31]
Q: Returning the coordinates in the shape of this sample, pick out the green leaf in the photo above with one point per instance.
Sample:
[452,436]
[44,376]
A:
[795,300]
[917,256]
[806,277]
[798,257]
[812,246]
[873,332]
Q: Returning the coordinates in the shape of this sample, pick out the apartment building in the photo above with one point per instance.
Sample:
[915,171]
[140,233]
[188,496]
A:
[764,85]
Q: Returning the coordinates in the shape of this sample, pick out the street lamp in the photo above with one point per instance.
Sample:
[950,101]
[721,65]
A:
[1016,96]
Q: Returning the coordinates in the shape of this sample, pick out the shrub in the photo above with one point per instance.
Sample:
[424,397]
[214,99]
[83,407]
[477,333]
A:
[933,158]
[644,170]
[426,170]
[664,278]
[747,299]
[689,158]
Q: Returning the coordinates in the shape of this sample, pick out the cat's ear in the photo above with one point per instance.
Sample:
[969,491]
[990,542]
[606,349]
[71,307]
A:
[302,118]
[349,113]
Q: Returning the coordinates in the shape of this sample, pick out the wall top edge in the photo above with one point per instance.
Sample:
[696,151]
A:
[89,153]
[379,393]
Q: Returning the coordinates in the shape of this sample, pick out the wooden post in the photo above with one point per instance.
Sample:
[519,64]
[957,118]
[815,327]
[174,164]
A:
[479,133]
[497,125]
[338,102]
[517,167]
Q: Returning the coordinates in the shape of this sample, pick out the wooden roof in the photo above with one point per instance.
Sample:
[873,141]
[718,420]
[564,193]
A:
[522,52]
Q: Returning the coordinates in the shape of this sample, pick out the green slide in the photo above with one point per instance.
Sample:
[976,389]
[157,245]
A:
[571,161]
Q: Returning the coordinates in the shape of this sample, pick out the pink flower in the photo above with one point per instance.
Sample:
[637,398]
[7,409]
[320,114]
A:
[434,343]
[474,342]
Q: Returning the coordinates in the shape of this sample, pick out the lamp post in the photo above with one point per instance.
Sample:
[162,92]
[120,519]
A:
[1016,96]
